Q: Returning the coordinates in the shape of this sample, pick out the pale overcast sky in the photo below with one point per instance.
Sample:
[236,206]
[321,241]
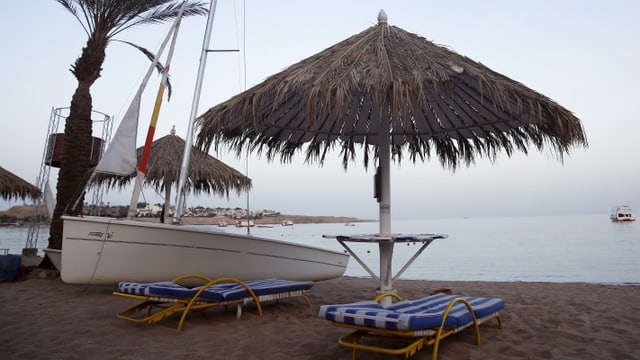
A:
[582,54]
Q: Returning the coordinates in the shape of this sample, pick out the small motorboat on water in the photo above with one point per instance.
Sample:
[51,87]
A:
[245,223]
[621,214]
[287,223]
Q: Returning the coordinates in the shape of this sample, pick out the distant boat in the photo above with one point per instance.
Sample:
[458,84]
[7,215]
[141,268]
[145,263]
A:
[349,224]
[264,225]
[287,223]
[222,224]
[245,223]
[621,214]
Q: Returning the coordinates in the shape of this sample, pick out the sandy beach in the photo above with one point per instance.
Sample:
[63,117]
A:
[47,319]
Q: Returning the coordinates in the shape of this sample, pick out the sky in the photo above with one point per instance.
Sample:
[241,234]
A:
[582,54]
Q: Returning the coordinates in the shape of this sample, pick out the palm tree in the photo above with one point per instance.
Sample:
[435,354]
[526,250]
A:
[102,20]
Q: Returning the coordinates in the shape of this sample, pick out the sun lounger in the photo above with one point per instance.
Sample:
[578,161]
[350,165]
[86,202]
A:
[162,299]
[413,324]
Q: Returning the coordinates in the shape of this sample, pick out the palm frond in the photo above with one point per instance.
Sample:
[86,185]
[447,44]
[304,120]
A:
[111,17]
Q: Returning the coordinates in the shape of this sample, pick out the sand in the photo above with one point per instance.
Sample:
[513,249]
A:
[47,319]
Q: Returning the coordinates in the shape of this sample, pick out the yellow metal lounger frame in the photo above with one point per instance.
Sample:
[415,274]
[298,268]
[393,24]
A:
[156,308]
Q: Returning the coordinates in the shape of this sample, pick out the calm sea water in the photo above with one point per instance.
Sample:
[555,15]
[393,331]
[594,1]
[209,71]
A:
[567,248]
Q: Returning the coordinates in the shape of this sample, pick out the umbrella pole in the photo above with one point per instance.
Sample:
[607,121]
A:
[385,247]
[167,203]
[137,189]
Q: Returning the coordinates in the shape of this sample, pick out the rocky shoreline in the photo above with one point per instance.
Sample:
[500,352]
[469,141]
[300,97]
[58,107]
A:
[24,213]
[270,220]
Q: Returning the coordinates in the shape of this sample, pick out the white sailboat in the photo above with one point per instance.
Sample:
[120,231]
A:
[97,250]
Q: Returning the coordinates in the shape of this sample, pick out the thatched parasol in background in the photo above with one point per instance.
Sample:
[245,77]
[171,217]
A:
[206,173]
[14,187]
[394,93]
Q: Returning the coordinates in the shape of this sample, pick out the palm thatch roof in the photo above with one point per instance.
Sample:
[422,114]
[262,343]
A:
[429,99]
[13,187]
[206,173]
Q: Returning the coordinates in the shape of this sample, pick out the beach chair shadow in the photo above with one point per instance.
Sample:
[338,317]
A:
[407,326]
[163,299]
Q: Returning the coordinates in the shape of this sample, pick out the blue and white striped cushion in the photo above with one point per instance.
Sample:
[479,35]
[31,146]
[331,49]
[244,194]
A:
[217,292]
[179,291]
[425,313]
[164,289]
[262,287]
[135,288]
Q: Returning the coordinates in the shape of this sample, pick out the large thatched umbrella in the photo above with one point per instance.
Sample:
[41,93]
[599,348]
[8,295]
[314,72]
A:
[14,187]
[393,93]
[206,173]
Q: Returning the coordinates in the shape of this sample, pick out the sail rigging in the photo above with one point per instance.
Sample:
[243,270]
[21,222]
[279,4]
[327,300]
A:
[142,165]
[120,158]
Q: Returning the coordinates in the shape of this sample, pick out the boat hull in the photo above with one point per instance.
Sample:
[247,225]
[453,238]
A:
[55,256]
[99,250]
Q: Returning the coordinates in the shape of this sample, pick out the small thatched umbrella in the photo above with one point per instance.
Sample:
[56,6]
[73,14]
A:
[394,93]
[206,173]
[14,187]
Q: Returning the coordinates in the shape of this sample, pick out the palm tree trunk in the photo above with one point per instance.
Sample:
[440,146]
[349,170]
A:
[76,151]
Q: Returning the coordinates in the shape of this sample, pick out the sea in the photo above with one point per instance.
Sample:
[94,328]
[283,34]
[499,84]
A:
[560,248]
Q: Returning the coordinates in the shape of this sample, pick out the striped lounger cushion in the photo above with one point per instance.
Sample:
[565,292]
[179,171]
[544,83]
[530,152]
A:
[421,314]
[217,292]
[234,291]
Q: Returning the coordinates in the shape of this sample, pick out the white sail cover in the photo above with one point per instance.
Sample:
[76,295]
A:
[120,157]
[49,200]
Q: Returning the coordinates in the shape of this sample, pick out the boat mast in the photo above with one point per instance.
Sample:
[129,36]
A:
[186,158]
[142,165]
